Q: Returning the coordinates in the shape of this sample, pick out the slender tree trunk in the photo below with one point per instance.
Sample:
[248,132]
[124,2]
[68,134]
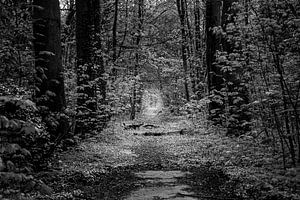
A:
[197,13]
[190,39]
[198,51]
[114,36]
[47,47]
[125,28]
[181,13]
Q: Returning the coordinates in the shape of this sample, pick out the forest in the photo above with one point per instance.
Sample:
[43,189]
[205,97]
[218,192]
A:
[149,99]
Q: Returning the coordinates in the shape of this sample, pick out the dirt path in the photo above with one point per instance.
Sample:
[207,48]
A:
[140,166]
[156,160]
[159,176]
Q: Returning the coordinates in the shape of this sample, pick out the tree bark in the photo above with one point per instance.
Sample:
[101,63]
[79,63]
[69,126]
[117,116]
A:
[238,110]
[181,13]
[213,44]
[198,71]
[47,47]
[114,37]
[89,62]
[140,11]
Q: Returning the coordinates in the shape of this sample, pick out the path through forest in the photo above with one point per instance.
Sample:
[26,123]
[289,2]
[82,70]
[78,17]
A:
[157,156]
[160,175]
[158,172]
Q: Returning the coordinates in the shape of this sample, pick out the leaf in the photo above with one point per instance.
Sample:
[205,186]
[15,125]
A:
[27,130]
[50,93]
[10,166]
[25,152]
[13,125]
[48,53]
[31,104]
[11,149]
[4,122]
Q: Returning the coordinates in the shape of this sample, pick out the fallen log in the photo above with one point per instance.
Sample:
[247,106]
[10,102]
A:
[176,132]
[132,126]
[153,134]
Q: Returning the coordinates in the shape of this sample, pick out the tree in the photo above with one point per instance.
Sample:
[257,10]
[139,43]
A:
[236,90]
[198,50]
[182,16]
[47,47]
[213,44]
[90,66]
[139,28]
[114,37]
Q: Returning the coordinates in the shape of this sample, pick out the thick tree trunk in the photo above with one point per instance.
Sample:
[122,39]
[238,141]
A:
[213,44]
[236,88]
[89,63]
[219,13]
[140,6]
[47,47]
[181,13]
[86,25]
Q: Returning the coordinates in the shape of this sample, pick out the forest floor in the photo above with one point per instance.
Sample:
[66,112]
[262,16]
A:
[163,157]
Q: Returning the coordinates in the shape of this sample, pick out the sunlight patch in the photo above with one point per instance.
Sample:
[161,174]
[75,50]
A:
[152,102]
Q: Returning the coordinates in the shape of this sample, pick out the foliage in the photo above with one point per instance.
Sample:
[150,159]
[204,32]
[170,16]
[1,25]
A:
[25,128]
[119,95]
[268,60]
[22,149]
[15,53]
[136,47]
[258,60]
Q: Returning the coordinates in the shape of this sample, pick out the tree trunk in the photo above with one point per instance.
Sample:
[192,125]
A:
[140,5]
[115,26]
[181,13]
[235,86]
[114,37]
[213,44]
[198,71]
[125,28]
[47,47]
[89,62]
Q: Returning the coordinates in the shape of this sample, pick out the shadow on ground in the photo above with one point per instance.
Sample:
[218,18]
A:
[152,176]
[154,183]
